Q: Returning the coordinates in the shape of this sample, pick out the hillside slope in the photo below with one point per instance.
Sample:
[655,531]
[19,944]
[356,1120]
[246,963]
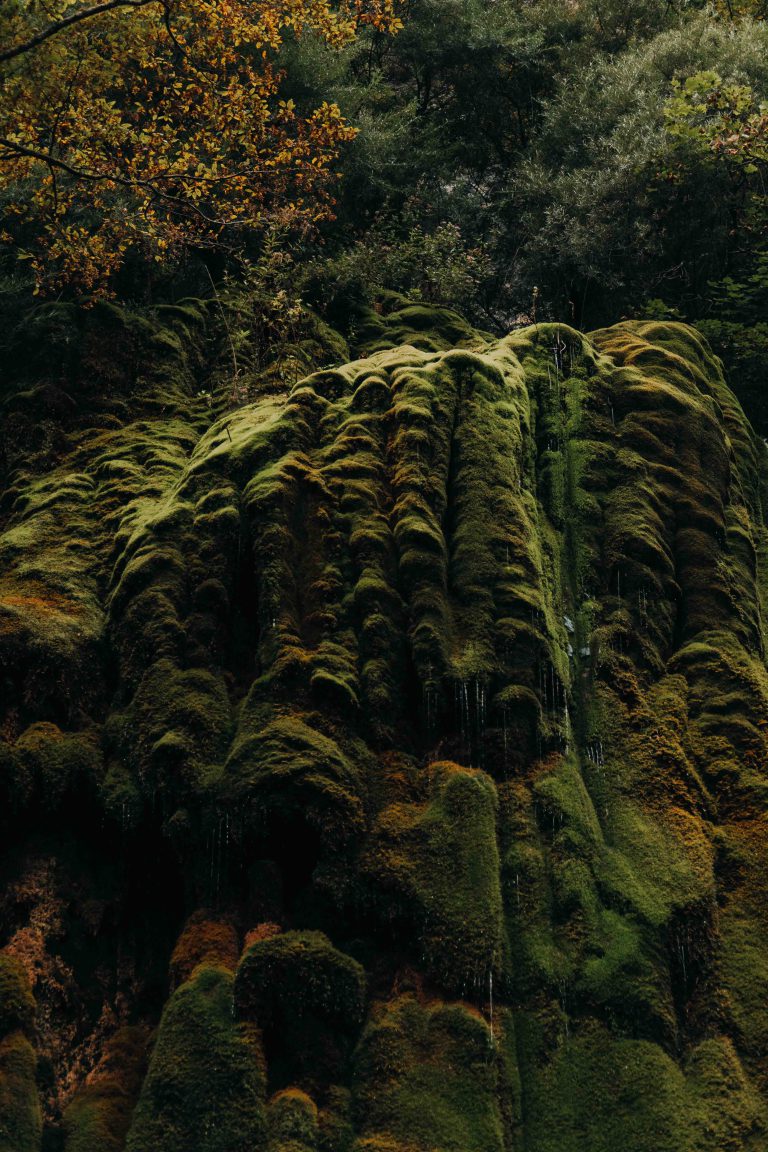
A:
[383,761]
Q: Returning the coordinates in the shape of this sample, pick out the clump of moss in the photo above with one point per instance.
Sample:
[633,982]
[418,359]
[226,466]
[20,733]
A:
[56,763]
[289,754]
[604,1093]
[205,1085]
[438,862]
[296,973]
[726,1109]
[309,999]
[393,320]
[21,1119]
[17,1004]
[293,1122]
[457,653]
[100,1113]
[426,1078]
[206,939]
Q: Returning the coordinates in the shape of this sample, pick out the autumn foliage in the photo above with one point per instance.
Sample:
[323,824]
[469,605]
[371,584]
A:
[158,125]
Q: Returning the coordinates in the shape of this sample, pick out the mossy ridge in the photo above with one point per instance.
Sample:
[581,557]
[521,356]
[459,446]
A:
[720,682]
[604,1092]
[704,473]
[301,471]
[59,516]
[444,412]
[393,321]
[584,866]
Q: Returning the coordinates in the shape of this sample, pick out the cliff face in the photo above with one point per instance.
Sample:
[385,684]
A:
[383,764]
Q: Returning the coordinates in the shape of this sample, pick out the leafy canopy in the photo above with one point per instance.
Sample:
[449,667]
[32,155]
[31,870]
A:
[158,124]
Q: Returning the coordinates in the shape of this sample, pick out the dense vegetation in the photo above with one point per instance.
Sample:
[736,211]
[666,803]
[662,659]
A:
[518,161]
[383,682]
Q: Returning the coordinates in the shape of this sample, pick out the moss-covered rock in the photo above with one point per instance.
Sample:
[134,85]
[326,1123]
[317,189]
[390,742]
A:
[21,1119]
[100,1113]
[445,666]
[17,1004]
[204,1086]
[293,1122]
[426,1078]
[308,998]
[438,862]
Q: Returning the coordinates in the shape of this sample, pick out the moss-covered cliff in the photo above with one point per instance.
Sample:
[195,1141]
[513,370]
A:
[384,761]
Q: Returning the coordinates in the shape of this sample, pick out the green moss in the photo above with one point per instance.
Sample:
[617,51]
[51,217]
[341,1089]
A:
[20,1111]
[293,1122]
[298,972]
[21,1120]
[394,321]
[455,655]
[439,860]
[57,762]
[205,1084]
[602,1094]
[309,999]
[426,1080]
[17,1004]
[100,1113]
[726,1110]
[183,719]
[285,766]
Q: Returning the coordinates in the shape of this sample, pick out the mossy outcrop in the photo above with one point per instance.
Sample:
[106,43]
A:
[410,723]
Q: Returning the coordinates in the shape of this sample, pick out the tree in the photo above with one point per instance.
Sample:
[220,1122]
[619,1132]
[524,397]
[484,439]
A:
[158,125]
[615,204]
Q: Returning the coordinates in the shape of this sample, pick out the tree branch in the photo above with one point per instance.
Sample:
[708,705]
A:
[151,187]
[67,22]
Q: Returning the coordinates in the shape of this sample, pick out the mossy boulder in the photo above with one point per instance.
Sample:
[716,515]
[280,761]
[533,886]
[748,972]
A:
[100,1114]
[603,1093]
[21,1119]
[57,763]
[293,1122]
[444,666]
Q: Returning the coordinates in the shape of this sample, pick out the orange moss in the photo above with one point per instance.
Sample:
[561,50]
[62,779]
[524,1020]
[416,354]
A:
[206,939]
